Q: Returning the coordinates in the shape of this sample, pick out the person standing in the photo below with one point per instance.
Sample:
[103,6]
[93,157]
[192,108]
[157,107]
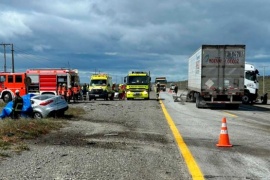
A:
[59,89]
[84,91]
[76,91]
[64,91]
[69,93]
[120,95]
[176,89]
[157,89]
[17,105]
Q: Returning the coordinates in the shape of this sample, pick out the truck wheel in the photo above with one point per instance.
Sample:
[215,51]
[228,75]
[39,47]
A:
[198,101]
[245,99]
[112,97]
[7,97]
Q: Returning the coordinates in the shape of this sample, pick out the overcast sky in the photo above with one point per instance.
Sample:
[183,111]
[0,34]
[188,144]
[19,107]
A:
[116,36]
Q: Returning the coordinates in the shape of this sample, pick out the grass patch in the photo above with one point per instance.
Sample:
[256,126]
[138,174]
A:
[12,133]
[2,104]
[75,111]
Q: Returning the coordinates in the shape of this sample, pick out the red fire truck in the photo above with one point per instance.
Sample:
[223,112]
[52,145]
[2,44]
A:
[36,81]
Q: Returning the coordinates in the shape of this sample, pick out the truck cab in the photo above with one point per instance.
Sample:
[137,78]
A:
[138,85]
[9,83]
[251,84]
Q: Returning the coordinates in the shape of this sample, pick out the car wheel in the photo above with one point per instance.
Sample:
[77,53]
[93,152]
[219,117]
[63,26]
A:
[37,115]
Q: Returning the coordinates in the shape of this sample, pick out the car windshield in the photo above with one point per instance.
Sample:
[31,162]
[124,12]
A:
[137,80]
[251,75]
[161,81]
[98,82]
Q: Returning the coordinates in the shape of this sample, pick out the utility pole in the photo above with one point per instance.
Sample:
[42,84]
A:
[12,53]
[263,76]
[5,60]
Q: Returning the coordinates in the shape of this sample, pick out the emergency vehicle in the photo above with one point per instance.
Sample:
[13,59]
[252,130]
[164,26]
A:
[36,81]
[138,85]
[162,81]
[101,87]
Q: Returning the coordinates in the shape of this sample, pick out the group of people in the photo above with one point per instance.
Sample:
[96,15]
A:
[73,92]
[70,92]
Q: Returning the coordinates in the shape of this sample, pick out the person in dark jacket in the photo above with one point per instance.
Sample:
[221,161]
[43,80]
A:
[84,91]
[17,105]
[176,89]
[157,90]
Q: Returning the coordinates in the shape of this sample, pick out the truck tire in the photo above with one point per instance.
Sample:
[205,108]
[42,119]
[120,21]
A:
[198,101]
[7,97]
[245,99]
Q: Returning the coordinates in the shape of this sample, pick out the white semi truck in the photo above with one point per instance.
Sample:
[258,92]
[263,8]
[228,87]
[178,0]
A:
[251,84]
[216,76]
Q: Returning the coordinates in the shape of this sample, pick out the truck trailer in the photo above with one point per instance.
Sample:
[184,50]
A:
[216,76]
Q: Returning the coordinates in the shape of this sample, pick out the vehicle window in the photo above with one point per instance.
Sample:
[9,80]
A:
[98,82]
[10,78]
[2,78]
[251,75]
[42,97]
[18,78]
[138,79]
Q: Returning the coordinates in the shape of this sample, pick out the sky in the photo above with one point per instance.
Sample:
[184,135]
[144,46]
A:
[118,36]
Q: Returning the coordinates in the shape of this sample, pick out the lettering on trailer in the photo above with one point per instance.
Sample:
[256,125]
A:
[231,57]
[217,60]
[198,65]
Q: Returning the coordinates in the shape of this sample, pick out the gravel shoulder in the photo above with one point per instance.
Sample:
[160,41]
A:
[113,140]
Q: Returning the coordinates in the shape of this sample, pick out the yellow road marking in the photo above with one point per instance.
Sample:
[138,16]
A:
[232,115]
[193,168]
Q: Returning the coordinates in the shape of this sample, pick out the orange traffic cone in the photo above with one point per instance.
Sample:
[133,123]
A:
[224,136]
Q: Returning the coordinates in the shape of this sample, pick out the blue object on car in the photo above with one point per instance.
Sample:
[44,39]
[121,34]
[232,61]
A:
[26,110]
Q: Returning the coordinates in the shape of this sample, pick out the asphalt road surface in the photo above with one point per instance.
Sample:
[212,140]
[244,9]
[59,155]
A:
[248,132]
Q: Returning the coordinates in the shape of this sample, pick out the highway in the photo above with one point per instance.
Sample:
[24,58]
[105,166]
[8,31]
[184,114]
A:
[248,133]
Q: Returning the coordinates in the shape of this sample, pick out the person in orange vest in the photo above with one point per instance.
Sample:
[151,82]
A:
[120,92]
[123,87]
[59,89]
[76,91]
[69,94]
[64,91]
